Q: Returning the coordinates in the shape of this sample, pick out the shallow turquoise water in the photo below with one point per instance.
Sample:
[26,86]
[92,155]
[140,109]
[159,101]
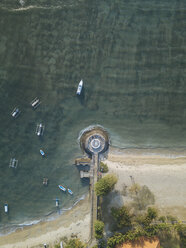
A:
[131,56]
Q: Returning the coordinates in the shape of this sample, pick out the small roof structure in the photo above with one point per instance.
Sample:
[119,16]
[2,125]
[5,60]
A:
[141,243]
[83,161]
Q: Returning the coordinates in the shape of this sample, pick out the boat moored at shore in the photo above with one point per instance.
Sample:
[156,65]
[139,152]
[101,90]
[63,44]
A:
[57,202]
[6,207]
[80,87]
[61,187]
[70,191]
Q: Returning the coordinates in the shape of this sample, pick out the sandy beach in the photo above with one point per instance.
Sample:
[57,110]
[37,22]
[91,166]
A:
[163,172]
[73,222]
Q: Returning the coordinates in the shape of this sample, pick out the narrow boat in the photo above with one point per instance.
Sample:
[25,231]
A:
[70,192]
[62,188]
[42,153]
[80,87]
[40,129]
[57,202]
[35,103]
[15,113]
[6,207]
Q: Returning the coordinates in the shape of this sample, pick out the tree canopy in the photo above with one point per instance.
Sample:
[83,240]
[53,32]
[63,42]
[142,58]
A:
[105,184]
[99,226]
[103,167]
[121,216]
[75,243]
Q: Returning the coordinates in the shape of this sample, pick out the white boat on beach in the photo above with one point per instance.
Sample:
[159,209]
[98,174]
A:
[61,187]
[15,113]
[6,207]
[35,103]
[70,191]
[40,129]
[80,87]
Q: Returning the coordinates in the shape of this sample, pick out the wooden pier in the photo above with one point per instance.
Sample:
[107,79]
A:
[83,161]
[85,174]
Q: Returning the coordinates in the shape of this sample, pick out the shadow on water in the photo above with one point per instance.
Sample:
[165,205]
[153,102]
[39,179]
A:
[81,97]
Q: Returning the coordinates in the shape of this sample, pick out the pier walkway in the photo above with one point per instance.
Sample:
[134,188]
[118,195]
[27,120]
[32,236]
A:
[93,180]
[93,142]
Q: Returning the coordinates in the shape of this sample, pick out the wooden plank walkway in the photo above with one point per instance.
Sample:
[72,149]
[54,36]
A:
[93,180]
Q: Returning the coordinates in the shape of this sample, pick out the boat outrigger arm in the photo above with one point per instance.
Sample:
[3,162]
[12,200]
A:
[13,163]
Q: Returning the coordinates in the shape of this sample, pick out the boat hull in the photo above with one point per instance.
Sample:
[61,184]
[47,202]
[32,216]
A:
[42,153]
[70,192]
[61,187]
[6,208]
[80,87]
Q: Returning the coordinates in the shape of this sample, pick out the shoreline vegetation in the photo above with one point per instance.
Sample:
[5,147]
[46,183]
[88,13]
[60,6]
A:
[161,171]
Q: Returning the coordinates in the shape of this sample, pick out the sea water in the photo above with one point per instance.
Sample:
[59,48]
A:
[131,57]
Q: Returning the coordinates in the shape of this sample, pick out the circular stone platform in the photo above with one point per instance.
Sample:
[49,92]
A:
[94,140]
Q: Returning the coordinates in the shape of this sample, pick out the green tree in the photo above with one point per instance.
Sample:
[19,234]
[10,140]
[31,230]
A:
[118,238]
[99,227]
[121,216]
[146,220]
[103,167]
[181,229]
[162,219]
[75,243]
[105,184]
[171,218]
[152,213]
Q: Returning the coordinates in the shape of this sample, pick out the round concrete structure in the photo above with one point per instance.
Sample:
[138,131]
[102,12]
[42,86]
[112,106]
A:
[95,143]
[94,140]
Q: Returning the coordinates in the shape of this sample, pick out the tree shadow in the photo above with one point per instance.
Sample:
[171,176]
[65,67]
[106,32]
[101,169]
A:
[142,198]
[113,199]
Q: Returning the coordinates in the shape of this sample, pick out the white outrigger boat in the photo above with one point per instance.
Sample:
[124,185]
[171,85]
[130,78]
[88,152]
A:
[6,207]
[61,187]
[40,129]
[13,163]
[15,113]
[70,191]
[80,87]
[45,181]
[35,103]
